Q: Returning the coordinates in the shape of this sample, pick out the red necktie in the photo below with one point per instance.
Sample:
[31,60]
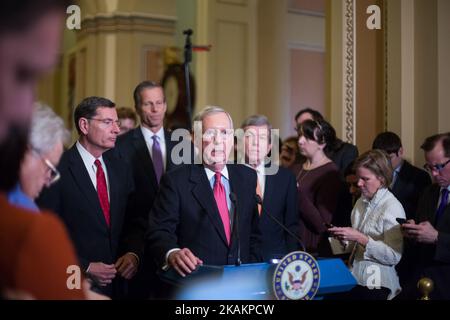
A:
[221,200]
[102,191]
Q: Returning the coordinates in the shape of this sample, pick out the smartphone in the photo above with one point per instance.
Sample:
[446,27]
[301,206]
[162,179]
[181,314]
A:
[328,225]
[401,220]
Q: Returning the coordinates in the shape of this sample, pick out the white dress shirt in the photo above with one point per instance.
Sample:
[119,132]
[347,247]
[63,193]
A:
[88,160]
[261,174]
[148,137]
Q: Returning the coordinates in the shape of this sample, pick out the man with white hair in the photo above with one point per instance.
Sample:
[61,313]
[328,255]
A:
[206,213]
[38,168]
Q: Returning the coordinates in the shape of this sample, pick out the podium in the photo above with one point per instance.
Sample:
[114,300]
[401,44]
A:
[251,281]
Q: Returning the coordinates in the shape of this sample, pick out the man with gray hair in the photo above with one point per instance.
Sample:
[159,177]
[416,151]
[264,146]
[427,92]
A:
[38,168]
[277,190]
[206,213]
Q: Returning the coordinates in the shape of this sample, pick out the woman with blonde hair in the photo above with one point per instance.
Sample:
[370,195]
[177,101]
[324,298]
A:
[375,236]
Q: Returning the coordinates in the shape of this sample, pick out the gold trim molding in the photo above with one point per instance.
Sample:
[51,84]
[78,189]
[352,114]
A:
[349,70]
[127,22]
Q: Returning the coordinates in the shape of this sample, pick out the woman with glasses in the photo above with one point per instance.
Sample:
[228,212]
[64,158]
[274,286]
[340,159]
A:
[38,168]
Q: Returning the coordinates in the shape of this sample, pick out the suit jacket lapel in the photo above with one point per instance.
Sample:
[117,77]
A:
[169,146]
[237,188]
[268,189]
[203,194]
[434,205]
[146,161]
[398,186]
[82,179]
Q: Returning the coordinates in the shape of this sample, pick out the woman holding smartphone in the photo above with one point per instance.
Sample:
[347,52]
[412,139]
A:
[375,234]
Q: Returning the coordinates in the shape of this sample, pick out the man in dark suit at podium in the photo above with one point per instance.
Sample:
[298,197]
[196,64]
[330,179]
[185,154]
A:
[276,186]
[192,221]
[147,149]
[92,197]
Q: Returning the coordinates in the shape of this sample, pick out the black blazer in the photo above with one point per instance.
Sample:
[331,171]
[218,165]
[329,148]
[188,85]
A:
[343,156]
[185,215]
[426,211]
[281,201]
[74,198]
[132,148]
[409,186]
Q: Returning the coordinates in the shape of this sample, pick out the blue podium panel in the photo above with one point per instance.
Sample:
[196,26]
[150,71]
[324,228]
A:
[246,282]
[334,277]
[252,281]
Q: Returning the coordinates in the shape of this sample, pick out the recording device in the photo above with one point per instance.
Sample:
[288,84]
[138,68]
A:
[328,225]
[401,220]
[188,59]
[259,201]
[233,199]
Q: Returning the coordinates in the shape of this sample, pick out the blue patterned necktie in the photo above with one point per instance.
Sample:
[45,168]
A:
[394,177]
[157,158]
[442,204]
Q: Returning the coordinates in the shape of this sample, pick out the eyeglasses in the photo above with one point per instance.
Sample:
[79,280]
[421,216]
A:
[54,173]
[437,167]
[107,122]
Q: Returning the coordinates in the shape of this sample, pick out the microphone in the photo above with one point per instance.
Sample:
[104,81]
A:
[188,32]
[233,199]
[260,202]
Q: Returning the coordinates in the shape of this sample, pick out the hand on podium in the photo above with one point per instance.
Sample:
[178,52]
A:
[183,261]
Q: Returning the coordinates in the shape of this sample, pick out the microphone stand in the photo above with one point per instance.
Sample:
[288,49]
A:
[187,60]
[236,228]
[260,202]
